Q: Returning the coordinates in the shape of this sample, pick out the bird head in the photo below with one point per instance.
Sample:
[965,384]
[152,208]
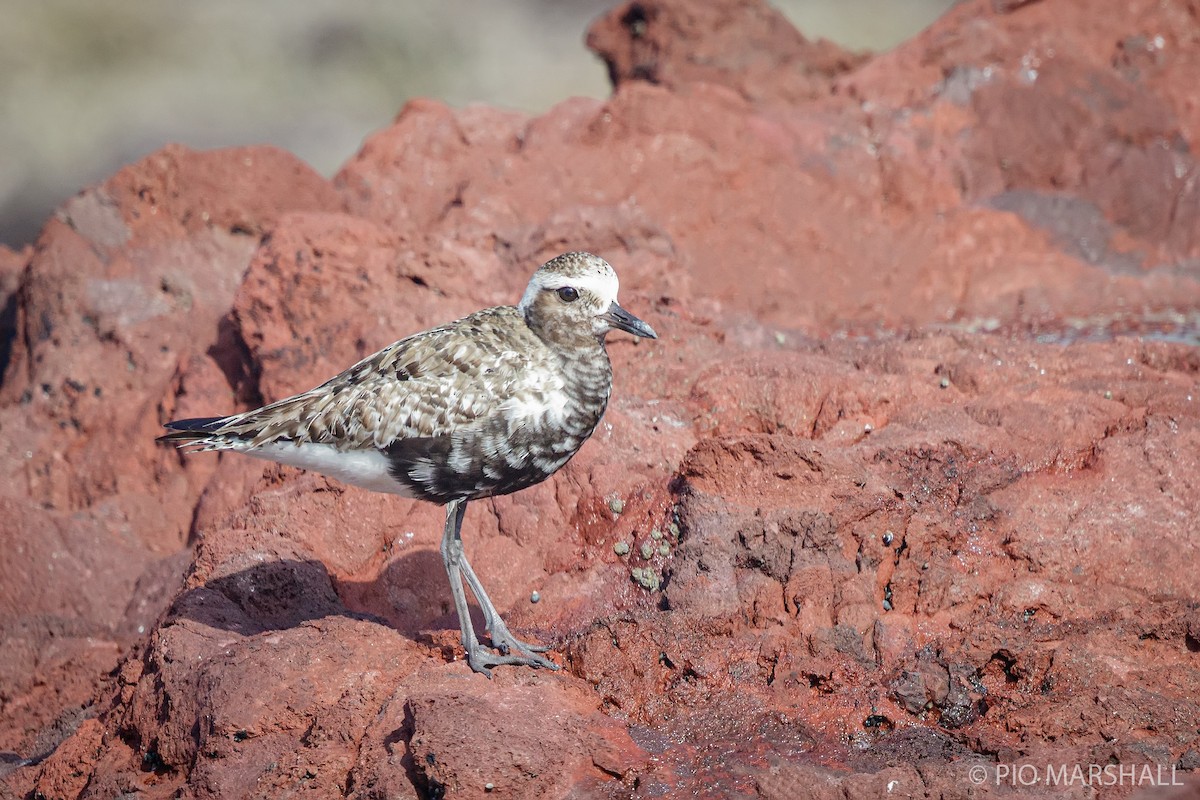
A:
[574,296]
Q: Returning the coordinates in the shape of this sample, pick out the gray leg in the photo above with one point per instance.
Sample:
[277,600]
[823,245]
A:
[502,638]
[478,656]
[451,557]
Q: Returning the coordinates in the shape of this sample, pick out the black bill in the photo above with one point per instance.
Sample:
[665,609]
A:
[621,319]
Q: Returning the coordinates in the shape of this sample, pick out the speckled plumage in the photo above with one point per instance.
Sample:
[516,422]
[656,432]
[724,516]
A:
[490,404]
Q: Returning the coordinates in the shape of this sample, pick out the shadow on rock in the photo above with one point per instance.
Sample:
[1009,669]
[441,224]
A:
[270,596]
[410,596]
[412,593]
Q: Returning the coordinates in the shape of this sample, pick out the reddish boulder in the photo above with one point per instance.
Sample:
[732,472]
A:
[131,280]
[442,734]
[745,45]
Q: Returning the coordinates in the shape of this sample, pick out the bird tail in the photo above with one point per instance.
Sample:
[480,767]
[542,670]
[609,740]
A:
[199,433]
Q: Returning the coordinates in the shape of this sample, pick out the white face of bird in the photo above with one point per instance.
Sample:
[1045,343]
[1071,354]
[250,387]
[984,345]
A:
[576,294]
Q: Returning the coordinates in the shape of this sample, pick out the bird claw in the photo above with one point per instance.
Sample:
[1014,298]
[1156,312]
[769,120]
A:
[481,659]
[508,650]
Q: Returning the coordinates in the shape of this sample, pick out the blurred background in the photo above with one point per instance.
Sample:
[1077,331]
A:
[86,87]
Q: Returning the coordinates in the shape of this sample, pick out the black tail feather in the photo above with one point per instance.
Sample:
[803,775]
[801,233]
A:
[188,430]
[198,424]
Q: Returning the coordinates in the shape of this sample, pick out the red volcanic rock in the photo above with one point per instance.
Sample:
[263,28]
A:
[1077,122]
[906,487]
[745,45]
[131,280]
[505,750]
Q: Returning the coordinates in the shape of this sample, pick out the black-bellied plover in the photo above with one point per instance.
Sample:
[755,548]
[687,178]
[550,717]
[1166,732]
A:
[491,404]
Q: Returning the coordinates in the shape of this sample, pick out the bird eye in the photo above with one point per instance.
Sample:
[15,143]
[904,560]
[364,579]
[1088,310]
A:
[568,294]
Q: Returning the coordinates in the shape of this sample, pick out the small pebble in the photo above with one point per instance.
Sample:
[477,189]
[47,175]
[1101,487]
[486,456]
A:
[487,787]
[780,339]
[664,549]
[944,383]
[656,534]
[616,505]
[1108,395]
[621,548]
[888,538]
[887,605]
[534,597]
[648,549]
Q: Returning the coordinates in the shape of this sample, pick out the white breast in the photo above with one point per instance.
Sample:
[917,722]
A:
[538,410]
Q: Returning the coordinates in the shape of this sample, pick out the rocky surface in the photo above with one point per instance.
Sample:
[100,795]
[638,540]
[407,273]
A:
[906,489]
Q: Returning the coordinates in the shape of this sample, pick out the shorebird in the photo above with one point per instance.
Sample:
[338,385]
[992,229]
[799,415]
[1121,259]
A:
[490,404]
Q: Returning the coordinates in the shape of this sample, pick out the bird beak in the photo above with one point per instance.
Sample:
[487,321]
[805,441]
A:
[623,320]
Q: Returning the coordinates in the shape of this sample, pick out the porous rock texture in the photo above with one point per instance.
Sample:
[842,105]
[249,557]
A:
[910,481]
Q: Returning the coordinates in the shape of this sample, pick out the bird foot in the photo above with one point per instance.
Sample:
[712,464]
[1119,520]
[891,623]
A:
[482,659]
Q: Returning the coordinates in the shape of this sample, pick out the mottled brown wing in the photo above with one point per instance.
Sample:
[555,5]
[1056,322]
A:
[427,385]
